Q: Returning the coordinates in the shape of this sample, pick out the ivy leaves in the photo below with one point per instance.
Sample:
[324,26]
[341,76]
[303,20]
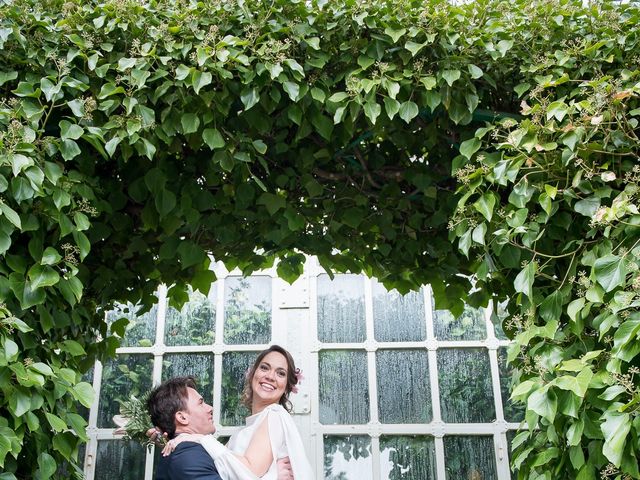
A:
[565,247]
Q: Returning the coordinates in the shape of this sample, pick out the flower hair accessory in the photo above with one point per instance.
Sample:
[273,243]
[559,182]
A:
[299,378]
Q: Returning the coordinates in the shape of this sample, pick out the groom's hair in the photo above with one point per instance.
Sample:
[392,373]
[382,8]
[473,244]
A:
[168,398]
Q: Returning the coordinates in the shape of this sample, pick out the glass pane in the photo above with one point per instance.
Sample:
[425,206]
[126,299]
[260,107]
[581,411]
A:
[513,412]
[347,457]
[470,325]
[398,318]
[120,459]
[195,323]
[341,309]
[234,369]
[140,330]
[407,458]
[344,387]
[247,310]
[464,376]
[404,395]
[469,457]
[122,377]
[200,365]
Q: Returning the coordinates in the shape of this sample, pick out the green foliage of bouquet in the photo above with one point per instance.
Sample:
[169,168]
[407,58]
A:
[134,421]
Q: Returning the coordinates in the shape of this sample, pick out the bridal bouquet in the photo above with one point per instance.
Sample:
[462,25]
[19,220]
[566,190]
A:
[134,421]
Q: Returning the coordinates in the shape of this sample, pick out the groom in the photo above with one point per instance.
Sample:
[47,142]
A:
[176,407]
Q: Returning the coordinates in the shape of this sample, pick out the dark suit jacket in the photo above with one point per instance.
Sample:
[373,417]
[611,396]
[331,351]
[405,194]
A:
[189,461]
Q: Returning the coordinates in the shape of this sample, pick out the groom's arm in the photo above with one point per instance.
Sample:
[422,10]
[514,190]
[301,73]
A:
[192,462]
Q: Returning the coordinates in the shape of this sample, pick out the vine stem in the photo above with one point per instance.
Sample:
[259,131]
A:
[535,252]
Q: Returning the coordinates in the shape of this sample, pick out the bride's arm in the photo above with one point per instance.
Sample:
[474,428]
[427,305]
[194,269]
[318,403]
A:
[257,458]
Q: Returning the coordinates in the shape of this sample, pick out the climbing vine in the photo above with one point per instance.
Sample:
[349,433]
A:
[491,144]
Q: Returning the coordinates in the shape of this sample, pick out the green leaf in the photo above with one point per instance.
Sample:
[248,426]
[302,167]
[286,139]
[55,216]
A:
[272,202]
[111,145]
[551,307]
[57,424]
[414,47]
[450,76]
[391,106]
[474,71]
[47,465]
[70,130]
[543,402]
[610,271]
[19,162]
[260,146]
[43,276]
[577,384]
[485,205]
[615,428]
[557,109]
[523,282]
[395,34]
[83,392]
[504,46]
[11,215]
[292,89]
[469,147]
[109,89]
[69,149]
[73,347]
[190,254]
[165,201]
[7,77]
[10,350]
[190,123]
[408,111]
[372,110]
[588,206]
[200,79]
[19,403]
[213,138]
[249,98]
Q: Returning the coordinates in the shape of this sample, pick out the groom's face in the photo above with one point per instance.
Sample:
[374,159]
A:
[200,414]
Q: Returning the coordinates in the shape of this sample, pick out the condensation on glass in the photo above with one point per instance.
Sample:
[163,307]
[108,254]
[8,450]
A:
[408,457]
[344,387]
[199,365]
[235,366]
[122,377]
[140,330]
[121,460]
[341,317]
[470,325]
[247,310]
[467,457]
[347,457]
[404,395]
[194,323]
[396,317]
[464,376]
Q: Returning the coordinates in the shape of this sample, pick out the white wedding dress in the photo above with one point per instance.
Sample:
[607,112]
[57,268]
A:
[285,442]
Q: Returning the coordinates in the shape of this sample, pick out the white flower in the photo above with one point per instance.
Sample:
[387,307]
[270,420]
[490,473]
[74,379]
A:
[608,176]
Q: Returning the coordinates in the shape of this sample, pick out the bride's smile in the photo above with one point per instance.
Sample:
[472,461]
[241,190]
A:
[270,379]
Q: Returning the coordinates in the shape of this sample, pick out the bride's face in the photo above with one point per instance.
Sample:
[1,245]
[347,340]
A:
[270,379]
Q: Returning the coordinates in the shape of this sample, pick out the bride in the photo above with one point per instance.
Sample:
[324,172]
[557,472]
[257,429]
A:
[270,433]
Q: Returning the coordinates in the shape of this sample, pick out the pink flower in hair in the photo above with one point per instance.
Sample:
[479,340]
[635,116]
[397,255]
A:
[299,378]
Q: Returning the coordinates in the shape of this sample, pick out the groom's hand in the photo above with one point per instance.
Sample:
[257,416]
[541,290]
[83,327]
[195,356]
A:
[284,469]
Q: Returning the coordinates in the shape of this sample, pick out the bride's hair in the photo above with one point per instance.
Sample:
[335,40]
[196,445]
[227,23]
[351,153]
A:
[292,378]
